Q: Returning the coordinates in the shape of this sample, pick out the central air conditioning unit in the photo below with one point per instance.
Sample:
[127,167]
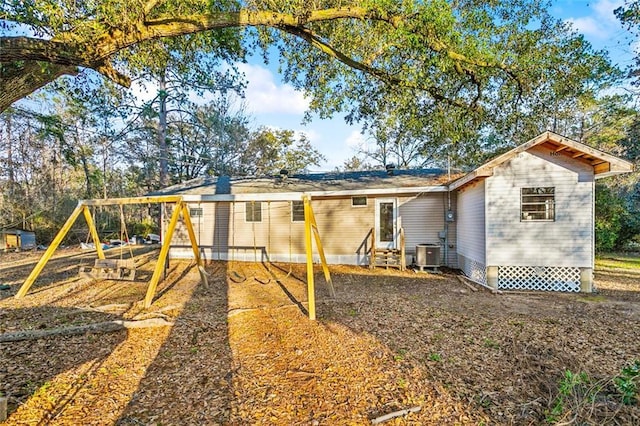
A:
[428,255]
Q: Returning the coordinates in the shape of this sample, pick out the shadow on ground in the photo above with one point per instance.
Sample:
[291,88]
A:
[26,367]
[189,381]
[506,355]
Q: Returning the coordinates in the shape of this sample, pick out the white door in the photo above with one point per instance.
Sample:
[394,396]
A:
[386,223]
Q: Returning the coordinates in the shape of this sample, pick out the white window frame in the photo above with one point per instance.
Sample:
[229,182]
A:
[366,201]
[257,207]
[196,212]
[538,196]
[293,220]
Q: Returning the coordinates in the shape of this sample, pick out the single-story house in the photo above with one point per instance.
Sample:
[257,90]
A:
[11,239]
[524,220]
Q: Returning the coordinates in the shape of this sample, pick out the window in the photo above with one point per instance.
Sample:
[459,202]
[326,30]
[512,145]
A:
[297,211]
[538,204]
[195,212]
[253,211]
[358,201]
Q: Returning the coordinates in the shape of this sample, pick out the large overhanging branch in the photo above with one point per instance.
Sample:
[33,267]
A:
[327,49]
[69,50]
[27,78]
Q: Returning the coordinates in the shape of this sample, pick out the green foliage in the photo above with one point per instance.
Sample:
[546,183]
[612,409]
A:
[144,227]
[628,383]
[436,357]
[577,393]
[268,151]
[610,215]
[574,391]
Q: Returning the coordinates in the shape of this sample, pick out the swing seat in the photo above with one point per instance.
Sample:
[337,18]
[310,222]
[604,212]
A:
[110,269]
[237,277]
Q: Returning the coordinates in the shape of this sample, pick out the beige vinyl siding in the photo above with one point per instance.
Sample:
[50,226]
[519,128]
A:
[270,237]
[471,222]
[211,230]
[423,218]
[344,230]
[566,241]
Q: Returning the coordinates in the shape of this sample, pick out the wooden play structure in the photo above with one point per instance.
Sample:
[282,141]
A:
[120,268]
[124,269]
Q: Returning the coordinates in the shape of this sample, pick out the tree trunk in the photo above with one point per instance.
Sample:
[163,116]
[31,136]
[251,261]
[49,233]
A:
[12,179]
[162,132]
[101,327]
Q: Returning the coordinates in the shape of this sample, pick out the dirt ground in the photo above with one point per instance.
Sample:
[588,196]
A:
[245,353]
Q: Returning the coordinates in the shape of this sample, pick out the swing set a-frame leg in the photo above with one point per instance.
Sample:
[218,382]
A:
[49,252]
[82,207]
[180,207]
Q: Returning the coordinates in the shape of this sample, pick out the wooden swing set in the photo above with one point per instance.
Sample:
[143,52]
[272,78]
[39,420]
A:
[125,268]
[121,268]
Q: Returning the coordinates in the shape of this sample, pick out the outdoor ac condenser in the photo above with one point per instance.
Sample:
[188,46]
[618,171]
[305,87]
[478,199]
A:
[428,255]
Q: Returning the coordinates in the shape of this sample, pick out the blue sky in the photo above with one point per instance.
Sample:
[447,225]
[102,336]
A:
[276,104]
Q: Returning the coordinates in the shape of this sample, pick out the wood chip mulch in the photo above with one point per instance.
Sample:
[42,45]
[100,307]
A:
[245,353]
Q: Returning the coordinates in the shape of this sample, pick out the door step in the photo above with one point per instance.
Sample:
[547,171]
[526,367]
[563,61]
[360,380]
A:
[387,258]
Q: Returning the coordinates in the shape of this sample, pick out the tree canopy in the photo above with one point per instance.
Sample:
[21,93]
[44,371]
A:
[468,54]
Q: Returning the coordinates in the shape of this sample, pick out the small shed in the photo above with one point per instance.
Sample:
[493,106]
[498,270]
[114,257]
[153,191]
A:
[11,239]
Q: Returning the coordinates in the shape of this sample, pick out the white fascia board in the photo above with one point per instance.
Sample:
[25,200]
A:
[379,191]
[267,196]
[297,196]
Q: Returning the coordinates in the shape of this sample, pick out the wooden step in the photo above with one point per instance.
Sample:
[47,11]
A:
[388,258]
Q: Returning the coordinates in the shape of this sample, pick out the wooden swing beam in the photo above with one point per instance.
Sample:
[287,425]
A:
[83,207]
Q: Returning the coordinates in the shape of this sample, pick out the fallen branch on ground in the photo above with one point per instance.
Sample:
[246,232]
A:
[492,290]
[395,414]
[463,281]
[100,327]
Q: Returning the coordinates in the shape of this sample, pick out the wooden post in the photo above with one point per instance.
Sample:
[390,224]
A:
[166,243]
[323,259]
[94,232]
[403,260]
[308,248]
[49,252]
[372,255]
[3,408]
[194,244]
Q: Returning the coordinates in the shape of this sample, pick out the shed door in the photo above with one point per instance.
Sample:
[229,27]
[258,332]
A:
[386,222]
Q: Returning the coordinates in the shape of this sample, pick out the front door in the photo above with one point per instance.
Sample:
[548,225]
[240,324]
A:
[386,222]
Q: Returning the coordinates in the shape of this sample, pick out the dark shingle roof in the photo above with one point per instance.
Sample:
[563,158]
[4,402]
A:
[333,181]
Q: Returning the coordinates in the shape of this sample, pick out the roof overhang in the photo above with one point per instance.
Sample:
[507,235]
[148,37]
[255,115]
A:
[603,164]
[297,196]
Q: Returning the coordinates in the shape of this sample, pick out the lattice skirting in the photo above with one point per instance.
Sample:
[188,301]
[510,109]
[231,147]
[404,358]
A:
[544,278]
[475,270]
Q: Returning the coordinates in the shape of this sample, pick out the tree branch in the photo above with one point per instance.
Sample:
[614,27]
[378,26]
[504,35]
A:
[148,7]
[95,50]
[315,41]
[27,77]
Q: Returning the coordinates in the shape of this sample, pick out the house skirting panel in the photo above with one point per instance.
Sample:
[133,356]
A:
[473,269]
[541,278]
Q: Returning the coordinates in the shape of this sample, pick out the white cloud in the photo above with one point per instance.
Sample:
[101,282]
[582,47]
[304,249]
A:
[356,140]
[143,92]
[265,96]
[312,135]
[589,26]
[601,23]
